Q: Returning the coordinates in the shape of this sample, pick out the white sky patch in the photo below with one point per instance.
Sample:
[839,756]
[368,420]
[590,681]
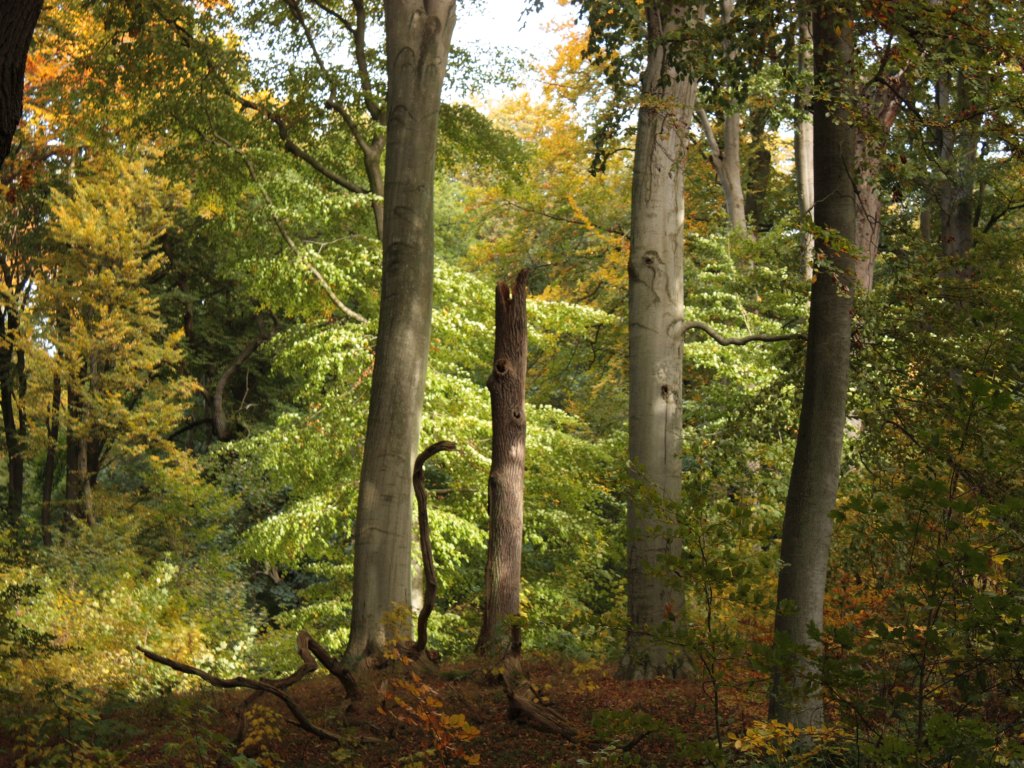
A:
[498,28]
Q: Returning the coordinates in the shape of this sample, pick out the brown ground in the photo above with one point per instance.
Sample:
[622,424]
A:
[654,721]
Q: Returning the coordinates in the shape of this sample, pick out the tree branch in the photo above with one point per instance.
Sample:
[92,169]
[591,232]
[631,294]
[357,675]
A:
[256,685]
[294,149]
[429,574]
[564,219]
[310,267]
[728,342]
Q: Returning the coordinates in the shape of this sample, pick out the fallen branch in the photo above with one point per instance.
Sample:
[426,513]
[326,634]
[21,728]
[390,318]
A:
[245,682]
[728,342]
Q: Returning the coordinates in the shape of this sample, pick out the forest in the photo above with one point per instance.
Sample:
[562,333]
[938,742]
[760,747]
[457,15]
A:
[371,399]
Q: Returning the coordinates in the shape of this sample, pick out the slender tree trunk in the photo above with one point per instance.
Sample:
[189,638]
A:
[12,440]
[655,598]
[725,158]
[807,526]
[759,173]
[17,22]
[222,428]
[804,154]
[418,37]
[50,465]
[77,463]
[958,152]
[507,385]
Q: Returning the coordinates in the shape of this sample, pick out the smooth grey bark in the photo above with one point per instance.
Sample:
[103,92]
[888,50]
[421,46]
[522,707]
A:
[17,22]
[807,526]
[803,151]
[725,157]
[655,596]
[417,40]
[505,484]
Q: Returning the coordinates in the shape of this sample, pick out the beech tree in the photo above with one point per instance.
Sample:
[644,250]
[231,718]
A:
[656,601]
[807,526]
[417,38]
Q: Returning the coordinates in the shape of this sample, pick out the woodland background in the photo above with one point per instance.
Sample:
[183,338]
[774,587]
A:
[190,254]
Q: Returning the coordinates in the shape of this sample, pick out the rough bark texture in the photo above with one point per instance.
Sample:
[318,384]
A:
[507,385]
[807,526]
[418,38]
[654,595]
[17,22]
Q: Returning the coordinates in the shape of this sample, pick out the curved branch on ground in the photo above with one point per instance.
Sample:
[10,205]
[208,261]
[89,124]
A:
[256,685]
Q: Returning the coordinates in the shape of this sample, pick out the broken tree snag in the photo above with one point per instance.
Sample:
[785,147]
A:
[507,385]
[429,573]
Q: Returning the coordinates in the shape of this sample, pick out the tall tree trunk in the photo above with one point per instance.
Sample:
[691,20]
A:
[17,22]
[807,527]
[655,598]
[725,156]
[50,465]
[418,37]
[12,441]
[507,385]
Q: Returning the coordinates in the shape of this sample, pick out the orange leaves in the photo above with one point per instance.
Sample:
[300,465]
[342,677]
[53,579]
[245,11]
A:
[418,705]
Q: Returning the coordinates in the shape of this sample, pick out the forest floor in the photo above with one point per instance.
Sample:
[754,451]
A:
[450,715]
